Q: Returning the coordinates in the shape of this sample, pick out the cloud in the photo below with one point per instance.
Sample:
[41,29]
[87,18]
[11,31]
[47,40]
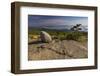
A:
[36,20]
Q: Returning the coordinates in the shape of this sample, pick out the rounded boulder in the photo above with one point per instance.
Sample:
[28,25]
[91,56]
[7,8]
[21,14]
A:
[45,37]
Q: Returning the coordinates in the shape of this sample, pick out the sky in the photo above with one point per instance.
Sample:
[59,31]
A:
[44,20]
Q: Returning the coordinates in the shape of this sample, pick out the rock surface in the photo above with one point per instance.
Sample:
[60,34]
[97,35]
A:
[65,49]
[45,37]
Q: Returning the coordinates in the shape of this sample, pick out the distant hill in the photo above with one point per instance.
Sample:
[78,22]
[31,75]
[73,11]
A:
[57,28]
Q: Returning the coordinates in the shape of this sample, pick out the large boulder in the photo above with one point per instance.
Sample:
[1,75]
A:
[45,37]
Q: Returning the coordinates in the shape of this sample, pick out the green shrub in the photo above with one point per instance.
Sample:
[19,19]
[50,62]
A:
[62,35]
[74,36]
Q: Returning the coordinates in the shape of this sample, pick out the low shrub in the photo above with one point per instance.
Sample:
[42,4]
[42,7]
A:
[74,36]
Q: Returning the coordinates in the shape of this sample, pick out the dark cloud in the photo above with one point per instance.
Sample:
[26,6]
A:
[43,20]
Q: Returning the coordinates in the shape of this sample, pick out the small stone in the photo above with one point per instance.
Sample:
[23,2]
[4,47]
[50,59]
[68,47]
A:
[43,46]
